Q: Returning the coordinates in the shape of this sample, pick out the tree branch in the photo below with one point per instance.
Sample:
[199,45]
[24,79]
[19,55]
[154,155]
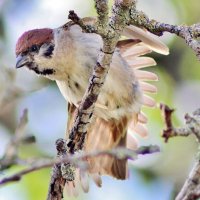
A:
[58,181]
[102,12]
[11,152]
[191,187]
[78,160]
[192,126]
[190,34]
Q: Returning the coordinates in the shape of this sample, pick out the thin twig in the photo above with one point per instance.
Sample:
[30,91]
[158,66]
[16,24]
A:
[190,189]
[192,126]
[102,11]
[11,151]
[77,160]
[190,34]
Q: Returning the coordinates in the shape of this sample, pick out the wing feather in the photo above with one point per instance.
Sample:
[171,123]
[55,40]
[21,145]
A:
[134,51]
[146,87]
[141,130]
[142,118]
[148,101]
[140,62]
[147,38]
[145,75]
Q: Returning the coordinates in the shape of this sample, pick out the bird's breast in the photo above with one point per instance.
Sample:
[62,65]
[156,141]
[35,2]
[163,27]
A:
[111,102]
[72,89]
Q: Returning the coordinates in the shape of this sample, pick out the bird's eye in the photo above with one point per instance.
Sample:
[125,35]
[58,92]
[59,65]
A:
[34,48]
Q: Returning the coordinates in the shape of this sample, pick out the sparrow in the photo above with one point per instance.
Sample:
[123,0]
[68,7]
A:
[67,55]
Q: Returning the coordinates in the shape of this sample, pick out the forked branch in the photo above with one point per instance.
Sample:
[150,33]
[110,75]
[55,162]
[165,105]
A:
[191,187]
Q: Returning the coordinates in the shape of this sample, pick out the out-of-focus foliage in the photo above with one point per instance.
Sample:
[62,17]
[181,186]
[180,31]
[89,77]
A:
[154,177]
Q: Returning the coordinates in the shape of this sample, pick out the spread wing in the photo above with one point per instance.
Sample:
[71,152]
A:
[109,134]
[141,42]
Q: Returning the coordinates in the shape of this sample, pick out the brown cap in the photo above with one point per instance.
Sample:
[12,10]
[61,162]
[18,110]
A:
[33,37]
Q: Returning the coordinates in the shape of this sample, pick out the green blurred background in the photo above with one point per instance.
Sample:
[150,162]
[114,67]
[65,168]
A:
[152,177]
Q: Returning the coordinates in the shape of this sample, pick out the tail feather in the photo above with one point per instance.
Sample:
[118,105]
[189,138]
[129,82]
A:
[102,135]
[108,134]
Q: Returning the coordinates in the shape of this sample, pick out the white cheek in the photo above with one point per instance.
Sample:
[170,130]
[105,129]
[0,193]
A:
[42,61]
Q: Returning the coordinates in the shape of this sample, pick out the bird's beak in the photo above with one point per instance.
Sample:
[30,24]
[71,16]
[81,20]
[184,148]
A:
[22,61]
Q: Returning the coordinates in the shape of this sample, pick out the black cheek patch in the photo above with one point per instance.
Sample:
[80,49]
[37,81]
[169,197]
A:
[43,72]
[49,51]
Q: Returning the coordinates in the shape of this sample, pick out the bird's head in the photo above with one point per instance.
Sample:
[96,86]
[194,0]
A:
[57,53]
[35,50]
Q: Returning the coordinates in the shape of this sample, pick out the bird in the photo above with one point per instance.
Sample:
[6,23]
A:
[67,55]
